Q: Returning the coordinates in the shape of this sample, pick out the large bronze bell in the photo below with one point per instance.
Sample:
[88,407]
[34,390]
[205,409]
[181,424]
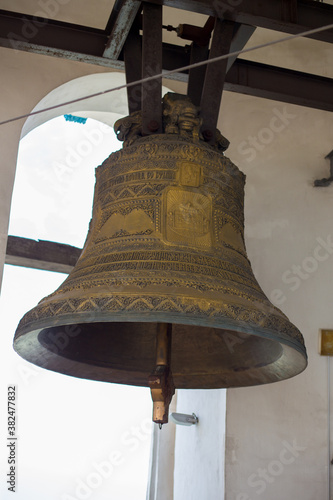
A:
[163,293]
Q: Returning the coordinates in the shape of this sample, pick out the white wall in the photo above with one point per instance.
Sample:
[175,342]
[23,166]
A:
[199,450]
[8,147]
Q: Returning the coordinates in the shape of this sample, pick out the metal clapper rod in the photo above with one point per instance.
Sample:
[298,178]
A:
[160,381]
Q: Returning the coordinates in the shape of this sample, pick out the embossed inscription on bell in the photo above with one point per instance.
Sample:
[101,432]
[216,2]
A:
[188,217]
[165,246]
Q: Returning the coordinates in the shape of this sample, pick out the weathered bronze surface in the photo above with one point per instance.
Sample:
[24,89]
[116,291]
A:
[165,245]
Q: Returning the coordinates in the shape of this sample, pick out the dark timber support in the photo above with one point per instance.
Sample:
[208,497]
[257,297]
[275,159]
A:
[133,68]
[121,28]
[269,14]
[49,33]
[152,65]
[242,34]
[214,79]
[289,11]
[46,255]
[200,38]
[279,84]
[196,76]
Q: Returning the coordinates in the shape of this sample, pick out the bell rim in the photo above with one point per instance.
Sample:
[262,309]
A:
[155,317]
[27,345]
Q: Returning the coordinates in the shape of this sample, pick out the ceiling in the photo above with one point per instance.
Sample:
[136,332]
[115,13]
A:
[96,32]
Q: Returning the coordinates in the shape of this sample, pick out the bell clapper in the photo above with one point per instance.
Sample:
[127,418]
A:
[160,381]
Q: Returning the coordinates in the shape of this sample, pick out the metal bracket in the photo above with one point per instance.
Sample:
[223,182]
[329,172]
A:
[160,381]
[183,419]
[326,181]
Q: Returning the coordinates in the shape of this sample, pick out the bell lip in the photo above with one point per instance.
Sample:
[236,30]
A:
[153,317]
[27,345]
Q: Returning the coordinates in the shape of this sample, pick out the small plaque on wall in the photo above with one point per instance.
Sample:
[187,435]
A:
[326,342]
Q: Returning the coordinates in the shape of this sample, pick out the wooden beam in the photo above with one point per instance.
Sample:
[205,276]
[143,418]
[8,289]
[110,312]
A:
[16,29]
[173,56]
[214,79]
[242,77]
[133,68]
[196,76]
[152,65]
[242,35]
[121,28]
[63,54]
[45,255]
[199,52]
[270,14]
[278,84]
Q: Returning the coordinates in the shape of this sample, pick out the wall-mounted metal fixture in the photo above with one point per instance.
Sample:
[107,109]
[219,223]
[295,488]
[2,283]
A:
[183,419]
[326,181]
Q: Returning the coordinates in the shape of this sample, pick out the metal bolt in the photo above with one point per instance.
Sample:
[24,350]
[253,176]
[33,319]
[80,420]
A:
[153,126]
[208,135]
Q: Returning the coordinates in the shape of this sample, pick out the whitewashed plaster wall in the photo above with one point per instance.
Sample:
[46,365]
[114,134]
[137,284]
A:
[199,449]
